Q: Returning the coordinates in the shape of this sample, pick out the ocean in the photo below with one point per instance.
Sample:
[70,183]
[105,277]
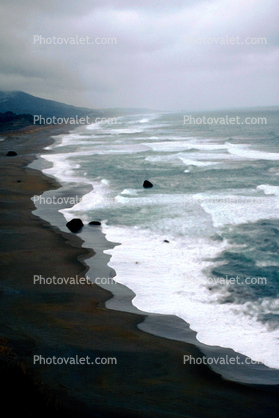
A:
[202,244]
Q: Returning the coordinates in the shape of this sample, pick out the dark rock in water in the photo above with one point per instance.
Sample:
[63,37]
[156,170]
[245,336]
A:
[147,184]
[165,240]
[75,225]
[11,154]
[95,223]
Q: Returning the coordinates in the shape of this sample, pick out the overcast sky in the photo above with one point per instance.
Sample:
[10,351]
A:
[157,58]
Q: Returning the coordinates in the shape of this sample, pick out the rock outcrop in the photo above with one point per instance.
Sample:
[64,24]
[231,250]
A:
[75,225]
[147,184]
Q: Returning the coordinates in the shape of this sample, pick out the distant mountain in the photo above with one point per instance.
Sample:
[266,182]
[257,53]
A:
[22,103]
[17,110]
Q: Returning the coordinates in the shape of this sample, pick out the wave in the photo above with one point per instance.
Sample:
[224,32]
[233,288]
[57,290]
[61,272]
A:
[148,266]
[227,208]
[246,152]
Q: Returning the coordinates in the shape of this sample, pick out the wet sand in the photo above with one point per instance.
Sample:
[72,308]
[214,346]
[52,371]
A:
[149,379]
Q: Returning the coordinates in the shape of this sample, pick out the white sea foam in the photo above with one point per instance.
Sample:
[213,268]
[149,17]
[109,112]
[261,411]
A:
[63,169]
[185,144]
[228,208]
[266,264]
[166,146]
[268,189]
[188,161]
[99,197]
[102,197]
[131,192]
[93,126]
[168,278]
[179,158]
[127,131]
[149,200]
[149,266]
[101,150]
[242,151]
[246,152]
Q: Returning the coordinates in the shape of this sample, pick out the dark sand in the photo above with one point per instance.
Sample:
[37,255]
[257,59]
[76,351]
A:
[149,379]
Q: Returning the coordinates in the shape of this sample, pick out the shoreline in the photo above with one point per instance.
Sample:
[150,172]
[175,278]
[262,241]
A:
[149,378]
[166,326]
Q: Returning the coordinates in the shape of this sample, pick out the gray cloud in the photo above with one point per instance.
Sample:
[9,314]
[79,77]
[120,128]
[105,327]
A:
[165,55]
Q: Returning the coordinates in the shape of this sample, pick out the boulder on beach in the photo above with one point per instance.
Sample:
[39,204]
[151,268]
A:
[95,223]
[75,225]
[147,184]
[11,154]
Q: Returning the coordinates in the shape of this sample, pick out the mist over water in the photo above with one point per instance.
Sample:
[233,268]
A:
[215,200]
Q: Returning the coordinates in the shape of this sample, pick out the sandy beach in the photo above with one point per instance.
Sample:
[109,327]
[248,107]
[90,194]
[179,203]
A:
[149,378]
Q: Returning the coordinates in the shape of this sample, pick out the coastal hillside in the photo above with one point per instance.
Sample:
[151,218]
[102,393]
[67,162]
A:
[20,102]
[10,121]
